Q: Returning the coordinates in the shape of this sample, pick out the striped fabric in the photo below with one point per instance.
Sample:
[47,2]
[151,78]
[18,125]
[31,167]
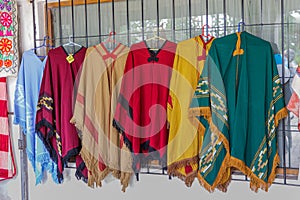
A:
[294,103]
[294,106]
[102,146]
[7,163]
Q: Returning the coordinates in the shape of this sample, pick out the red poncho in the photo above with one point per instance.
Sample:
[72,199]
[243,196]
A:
[55,108]
[141,110]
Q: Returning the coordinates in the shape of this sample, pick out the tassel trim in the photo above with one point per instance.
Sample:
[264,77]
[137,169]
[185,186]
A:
[96,176]
[224,176]
[120,130]
[79,175]
[182,163]
[273,174]
[256,182]
[222,181]
[47,143]
[200,111]
[91,181]
[101,176]
[92,166]
[125,179]
[116,173]
[189,178]
[280,115]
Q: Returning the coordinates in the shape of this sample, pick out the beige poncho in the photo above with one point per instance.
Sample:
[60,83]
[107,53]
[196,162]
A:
[102,148]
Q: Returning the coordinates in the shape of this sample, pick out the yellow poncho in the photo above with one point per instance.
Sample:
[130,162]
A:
[184,141]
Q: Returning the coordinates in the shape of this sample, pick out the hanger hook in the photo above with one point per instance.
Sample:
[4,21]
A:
[46,37]
[203,31]
[112,33]
[239,26]
[70,38]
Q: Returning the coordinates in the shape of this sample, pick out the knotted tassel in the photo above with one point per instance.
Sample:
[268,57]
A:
[238,50]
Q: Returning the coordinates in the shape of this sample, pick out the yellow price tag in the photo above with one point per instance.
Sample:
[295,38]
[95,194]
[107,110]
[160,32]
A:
[70,58]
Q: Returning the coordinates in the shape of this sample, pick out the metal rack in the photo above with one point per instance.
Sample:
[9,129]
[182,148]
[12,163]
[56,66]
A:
[60,37]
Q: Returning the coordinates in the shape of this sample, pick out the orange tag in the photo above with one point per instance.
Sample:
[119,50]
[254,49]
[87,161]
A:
[70,58]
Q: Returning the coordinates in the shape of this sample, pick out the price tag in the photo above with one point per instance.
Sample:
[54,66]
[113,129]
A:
[70,58]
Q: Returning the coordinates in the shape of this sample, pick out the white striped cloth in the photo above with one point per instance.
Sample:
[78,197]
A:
[7,162]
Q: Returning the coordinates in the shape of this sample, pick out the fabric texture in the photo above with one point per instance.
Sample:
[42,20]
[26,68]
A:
[7,161]
[238,104]
[142,104]
[26,98]
[184,141]
[54,109]
[296,84]
[8,38]
[99,86]
[294,103]
[294,106]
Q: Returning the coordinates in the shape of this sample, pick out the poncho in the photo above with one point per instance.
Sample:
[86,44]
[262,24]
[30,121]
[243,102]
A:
[238,104]
[184,141]
[54,109]
[26,98]
[142,104]
[99,86]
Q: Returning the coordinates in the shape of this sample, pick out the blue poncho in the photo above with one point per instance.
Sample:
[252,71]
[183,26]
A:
[26,97]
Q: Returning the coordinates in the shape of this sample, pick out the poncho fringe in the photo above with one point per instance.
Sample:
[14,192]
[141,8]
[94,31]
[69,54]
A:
[255,182]
[172,168]
[280,115]
[120,130]
[221,181]
[223,178]
[47,142]
[189,179]
[97,176]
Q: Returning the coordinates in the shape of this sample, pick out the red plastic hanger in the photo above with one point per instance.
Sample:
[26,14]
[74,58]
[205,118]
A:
[208,35]
[110,38]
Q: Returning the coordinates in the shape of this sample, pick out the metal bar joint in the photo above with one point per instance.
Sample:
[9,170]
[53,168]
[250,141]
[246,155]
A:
[21,144]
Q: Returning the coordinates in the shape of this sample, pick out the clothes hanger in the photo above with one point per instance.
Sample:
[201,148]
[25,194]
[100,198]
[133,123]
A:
[110,40]
[239,26]
[155,37]
[44,44]
[207,35]
[71,43]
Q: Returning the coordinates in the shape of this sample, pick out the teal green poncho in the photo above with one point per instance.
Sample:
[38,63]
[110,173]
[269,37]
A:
[237,105]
